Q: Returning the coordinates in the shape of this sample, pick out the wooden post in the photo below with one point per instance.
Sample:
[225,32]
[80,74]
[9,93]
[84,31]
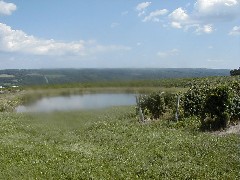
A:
[139,111]
[177,108]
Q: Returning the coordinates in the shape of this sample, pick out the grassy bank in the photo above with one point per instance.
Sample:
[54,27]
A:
[110,143]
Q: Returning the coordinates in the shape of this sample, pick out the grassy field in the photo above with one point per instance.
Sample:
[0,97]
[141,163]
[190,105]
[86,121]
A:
[111,144]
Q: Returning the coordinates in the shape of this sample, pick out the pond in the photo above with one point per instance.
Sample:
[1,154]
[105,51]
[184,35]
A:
[78,102]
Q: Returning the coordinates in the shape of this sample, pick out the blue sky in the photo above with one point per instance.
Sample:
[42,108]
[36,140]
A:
[119,34]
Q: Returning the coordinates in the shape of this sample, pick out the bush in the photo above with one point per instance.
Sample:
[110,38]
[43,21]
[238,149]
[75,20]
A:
[193,101]
[216,105]
[215,102]
[156,104]
[235,105]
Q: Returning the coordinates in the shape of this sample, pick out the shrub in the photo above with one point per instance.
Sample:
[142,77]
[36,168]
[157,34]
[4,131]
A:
[216,102]
[157,104]
[235,105]
[193,102]
[216,105]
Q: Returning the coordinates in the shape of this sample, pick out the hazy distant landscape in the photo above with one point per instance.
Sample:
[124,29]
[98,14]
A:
[22,77]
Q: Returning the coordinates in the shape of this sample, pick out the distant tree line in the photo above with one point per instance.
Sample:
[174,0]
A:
[235,72]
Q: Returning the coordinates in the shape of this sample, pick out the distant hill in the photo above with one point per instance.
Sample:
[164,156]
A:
[22,77]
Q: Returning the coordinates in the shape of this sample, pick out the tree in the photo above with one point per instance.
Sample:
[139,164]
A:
[235,72]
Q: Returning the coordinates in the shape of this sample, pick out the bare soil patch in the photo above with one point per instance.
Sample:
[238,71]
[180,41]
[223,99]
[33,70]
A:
[233,129]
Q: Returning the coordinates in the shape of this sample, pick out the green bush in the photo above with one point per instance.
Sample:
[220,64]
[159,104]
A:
[193,101]
[235,105]
[170,100]
[156,104]
[215,104]
[216,108]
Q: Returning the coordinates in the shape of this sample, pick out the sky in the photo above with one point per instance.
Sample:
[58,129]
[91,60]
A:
[119,34]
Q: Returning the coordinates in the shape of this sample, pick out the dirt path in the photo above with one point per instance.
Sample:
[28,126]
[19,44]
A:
[231,130]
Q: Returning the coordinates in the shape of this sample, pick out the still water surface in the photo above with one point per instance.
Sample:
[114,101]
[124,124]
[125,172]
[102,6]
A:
[78,102]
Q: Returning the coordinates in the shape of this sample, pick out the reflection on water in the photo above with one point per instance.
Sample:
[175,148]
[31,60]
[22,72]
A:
[77,102]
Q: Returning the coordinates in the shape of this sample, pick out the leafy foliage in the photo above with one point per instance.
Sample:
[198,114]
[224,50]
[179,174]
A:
[155,105]
[215,101]
[216,109]
[192,101]
[235,72]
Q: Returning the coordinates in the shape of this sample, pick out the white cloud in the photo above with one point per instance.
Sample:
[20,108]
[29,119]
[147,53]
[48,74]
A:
[18,41]
[235,31]
[114,24]
[179,15]
[166,54]
[217,10]
[178,18]
[142,6]
[201,18]
[200,28]
[141,13]
[204,15]
[153,16]
[7,8]
[161,54]
[176,25]
[204,29]
[210,5]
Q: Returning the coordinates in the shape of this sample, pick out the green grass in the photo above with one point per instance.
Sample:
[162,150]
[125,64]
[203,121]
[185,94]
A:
[110,144]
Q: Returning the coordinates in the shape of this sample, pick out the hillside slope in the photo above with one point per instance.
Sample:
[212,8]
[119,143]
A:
[21,77]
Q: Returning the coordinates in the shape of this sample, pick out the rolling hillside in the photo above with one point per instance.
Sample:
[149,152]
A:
[22,77]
